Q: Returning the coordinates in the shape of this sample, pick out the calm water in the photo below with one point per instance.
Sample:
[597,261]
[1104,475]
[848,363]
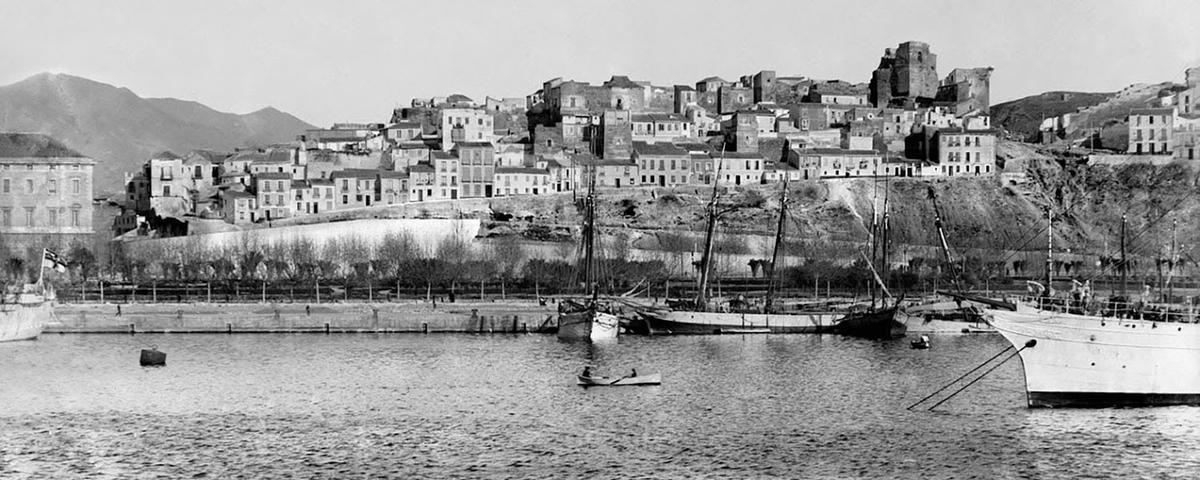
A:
[465,406]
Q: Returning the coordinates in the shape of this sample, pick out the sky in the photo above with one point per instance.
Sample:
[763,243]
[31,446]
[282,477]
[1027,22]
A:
[354,61]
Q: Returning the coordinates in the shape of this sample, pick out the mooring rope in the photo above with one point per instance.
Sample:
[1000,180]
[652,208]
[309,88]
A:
[973,370]
[1028,344]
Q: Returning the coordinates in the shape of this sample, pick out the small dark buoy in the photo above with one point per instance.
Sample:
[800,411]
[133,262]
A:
[153,358]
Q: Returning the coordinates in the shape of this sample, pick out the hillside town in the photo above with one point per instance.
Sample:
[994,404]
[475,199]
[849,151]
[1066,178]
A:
[761,128]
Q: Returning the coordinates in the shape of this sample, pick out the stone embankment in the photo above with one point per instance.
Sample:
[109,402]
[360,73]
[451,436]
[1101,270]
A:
[352,317]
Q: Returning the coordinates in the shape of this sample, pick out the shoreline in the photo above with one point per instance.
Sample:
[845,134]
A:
[352,317]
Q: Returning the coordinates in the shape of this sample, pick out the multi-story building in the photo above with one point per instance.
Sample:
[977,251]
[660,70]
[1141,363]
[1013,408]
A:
[1150,130]
[741,168]
[45,193]
[477,163]
[446,174]
[465,125]
[421,181]
[522,181]
[239,207]
[964,152]
[274,195]
[1186,137]
[403,131]
[355,188]
[408,154]
[391,187]
[662,164]
[836,163]
[652,127]
[618,173]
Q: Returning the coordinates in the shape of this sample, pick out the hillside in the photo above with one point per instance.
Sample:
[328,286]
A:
[832,219]
[1099,117]
[120,130]
[1023,116]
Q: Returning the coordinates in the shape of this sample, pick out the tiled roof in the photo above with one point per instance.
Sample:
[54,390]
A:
[473,144]
[273,176]
[839,151]
[420,168]
[1152,111]
[643,148]
[354,173]
[33,145]
[439,155]
[166,155]
[521,170]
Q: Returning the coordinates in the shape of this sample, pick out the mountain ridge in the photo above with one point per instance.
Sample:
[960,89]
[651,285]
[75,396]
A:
[120,129]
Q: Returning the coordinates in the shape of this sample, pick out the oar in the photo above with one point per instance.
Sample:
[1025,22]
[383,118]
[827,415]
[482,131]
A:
[614,382]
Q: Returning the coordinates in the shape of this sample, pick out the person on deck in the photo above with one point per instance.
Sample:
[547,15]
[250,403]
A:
[587,371]
[632,372]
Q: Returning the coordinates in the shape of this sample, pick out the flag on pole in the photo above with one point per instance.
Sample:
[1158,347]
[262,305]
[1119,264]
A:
[52,260]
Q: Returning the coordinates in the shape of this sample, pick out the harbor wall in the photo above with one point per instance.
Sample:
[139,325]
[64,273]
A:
[416,317]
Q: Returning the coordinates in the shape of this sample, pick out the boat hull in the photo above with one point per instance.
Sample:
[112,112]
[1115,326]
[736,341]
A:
[588,325]
[651,379]
[23,321]
[1090,361]
[886,323]
[708,323]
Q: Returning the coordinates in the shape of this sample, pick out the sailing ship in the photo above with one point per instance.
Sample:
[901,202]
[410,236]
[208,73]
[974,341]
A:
[700,316]
[1077,353]
[588,319]
[885,322]
[23,315]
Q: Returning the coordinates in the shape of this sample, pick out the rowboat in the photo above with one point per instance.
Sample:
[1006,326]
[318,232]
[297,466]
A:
[651,379]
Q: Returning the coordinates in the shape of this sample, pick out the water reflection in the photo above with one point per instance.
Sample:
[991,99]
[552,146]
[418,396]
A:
[507,405]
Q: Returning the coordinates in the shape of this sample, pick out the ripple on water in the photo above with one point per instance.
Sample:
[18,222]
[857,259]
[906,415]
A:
[505,406]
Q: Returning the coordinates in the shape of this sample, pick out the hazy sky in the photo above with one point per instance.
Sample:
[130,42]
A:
[356,60]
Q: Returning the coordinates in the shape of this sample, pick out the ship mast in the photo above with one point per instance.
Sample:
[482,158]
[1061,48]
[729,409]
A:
[1124,264]
[779,233]
[589,247]
[710,229]
[1049,249]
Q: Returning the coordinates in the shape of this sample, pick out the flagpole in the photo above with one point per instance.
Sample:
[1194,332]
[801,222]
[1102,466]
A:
[42,270]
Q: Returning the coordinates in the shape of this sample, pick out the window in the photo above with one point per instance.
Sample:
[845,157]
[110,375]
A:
[166,190]
[52,185]
[75,217]
[52,217]
[8,186]
[29,216]
[7,216]
[75,186]
[28,186]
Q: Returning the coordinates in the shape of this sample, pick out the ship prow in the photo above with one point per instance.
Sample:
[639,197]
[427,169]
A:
[1092,361]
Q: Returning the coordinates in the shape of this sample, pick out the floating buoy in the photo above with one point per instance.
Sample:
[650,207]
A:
[153,358]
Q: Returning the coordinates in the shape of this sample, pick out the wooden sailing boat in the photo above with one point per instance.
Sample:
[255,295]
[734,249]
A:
[885,322]
[702,316]
[588,319]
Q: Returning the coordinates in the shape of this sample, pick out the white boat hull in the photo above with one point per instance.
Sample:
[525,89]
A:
[588,325]
[1090,361]
[23,321]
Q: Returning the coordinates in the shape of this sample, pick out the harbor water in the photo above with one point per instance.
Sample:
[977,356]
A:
[506,406]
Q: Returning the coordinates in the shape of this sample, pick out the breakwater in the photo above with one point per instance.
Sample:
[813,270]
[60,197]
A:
[350,317]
